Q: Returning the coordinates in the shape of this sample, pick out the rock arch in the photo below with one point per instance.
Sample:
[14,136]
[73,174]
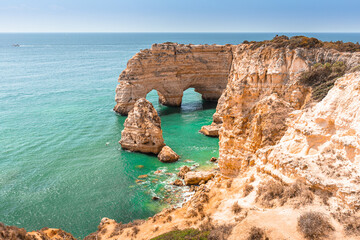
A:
[170,69]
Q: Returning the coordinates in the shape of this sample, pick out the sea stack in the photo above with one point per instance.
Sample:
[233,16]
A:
[142,129]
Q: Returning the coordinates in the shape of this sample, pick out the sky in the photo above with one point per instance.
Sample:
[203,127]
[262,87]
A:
[179,16]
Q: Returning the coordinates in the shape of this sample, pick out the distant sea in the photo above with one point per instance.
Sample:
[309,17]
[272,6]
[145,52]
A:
[60,162]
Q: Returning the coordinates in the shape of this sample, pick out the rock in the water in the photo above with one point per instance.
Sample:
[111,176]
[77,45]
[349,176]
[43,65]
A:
[167,155]
[210,130]
[143,176]
[213,159]
[178,182]
[155,198]
[183,171]
[194,178]
[142,129]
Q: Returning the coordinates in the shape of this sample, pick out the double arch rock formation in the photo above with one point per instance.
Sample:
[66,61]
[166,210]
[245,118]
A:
[170,69]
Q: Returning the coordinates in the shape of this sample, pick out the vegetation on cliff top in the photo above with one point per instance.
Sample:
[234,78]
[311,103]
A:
[305,42]
[190,234]
[321,77]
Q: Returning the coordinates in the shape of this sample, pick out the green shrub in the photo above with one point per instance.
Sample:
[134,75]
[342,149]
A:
[186,234]
[306,42]
[321,77]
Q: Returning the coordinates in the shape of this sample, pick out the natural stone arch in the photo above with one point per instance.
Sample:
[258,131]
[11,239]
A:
[172,68]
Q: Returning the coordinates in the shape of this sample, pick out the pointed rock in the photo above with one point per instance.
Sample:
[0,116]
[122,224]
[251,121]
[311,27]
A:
[142,129]
[167,155]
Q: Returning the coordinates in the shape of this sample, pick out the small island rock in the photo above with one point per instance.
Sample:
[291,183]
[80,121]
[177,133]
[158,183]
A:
[167,155]
[142,129]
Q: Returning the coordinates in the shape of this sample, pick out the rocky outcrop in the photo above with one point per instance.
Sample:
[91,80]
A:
[142,129]
[195,178]
[15,233]
[167,155]
[172,68]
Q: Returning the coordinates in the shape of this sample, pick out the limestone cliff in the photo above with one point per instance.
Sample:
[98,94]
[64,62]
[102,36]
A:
[142,129]
[322,144]
[256,74]
[170,69]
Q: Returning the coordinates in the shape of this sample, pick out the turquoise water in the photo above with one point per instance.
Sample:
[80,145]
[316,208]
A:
[60,161]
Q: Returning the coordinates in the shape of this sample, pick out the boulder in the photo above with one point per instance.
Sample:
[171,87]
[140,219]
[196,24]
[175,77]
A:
[167,155]
[178,182]
[142,129]
[194,178]
[183,171]
[210,130]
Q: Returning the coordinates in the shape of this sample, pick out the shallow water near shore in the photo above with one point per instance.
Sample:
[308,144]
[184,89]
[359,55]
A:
[60,162]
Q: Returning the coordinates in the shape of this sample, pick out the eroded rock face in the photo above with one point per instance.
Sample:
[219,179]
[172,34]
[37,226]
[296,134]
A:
[322,144]
[172,68]
[194,178]
[142,129]
[167,155]
[264,125]
[255,75]
[15,233]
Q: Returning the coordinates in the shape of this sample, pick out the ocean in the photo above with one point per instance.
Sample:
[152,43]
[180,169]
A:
[60,161]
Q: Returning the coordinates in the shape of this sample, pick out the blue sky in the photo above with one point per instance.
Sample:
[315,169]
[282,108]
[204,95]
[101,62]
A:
[179,16]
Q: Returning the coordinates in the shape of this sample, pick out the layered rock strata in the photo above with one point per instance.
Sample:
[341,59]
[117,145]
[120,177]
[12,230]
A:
[170,69]
[142,129]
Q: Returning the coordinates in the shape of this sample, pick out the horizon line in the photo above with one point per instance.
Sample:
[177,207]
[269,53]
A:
[180,32]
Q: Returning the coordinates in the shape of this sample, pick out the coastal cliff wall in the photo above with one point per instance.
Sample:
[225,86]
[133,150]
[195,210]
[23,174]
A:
[248,118]
[170,69]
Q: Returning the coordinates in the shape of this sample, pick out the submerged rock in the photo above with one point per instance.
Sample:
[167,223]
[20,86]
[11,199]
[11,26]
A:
[194,178]
[167,155]
[178,182]
[142,129]
[143,176]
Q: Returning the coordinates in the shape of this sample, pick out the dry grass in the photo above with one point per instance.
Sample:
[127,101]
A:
[236,208]
[269,192]
[221,232]
[119,228]
[256,234]
[352,226]
[299,191]
[314,225]
[169,218]
[273,193]
[135,231]
[248,188]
